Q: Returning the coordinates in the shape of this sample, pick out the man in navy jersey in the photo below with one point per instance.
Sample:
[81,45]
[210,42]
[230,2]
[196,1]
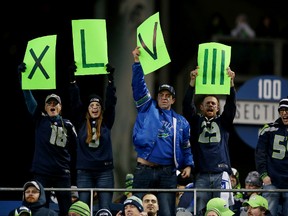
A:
[209,138]
[271,156]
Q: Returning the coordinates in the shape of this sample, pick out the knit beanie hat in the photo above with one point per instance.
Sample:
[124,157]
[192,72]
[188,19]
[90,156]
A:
[103,212]
[81,208]
[134,200]
[283,103]
[254,179]
[95,98]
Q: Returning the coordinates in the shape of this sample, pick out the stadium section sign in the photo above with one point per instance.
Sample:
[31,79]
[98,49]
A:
[257,104]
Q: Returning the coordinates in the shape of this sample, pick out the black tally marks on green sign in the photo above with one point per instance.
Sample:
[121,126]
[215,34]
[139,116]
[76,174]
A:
[38,63]
[154,54]
[213,74]
[83,48]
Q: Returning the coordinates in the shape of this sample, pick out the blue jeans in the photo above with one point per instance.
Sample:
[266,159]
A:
[206,181]
[63,197]
[157,177]
[96,179]
[274,200]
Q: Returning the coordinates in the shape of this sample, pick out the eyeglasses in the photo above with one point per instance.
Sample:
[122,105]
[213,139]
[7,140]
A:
[32,191]
[282,110]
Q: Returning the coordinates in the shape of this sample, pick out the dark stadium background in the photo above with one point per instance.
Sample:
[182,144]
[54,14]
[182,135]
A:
[26,20]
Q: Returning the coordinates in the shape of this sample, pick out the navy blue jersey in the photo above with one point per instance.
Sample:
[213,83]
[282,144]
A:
[90,157]
[271,154]
[55,141]
[209,138]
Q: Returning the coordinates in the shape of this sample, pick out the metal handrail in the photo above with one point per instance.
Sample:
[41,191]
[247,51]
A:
[195,190]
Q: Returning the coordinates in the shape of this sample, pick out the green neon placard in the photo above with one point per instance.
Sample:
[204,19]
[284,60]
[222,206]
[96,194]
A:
[90,46]
[154,54]
[213,60]
[40,64]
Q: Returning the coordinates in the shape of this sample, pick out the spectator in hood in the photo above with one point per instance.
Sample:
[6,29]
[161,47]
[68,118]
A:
[34,200]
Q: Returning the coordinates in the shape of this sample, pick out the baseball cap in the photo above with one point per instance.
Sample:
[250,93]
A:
[21,210]
[283,103]
[31,183]
[218,205]
[168,88]
[53,96]
[257,201]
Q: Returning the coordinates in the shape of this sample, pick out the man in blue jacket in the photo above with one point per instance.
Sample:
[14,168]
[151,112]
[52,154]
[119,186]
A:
[161,140]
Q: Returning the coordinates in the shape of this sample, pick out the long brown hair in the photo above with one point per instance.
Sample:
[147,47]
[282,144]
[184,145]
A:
[89,128]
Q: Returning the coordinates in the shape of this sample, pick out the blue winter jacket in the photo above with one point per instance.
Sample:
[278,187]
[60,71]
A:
[147,123]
